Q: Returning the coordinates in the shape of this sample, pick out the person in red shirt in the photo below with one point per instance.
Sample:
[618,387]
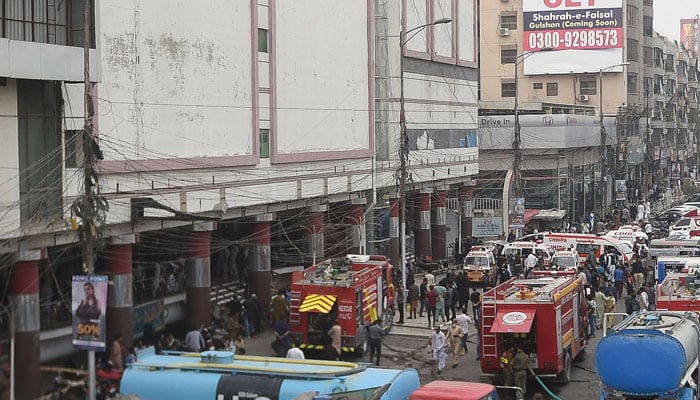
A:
[432,298]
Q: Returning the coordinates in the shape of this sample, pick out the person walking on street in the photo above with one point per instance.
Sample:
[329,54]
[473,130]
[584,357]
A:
[375,341]
[463,321]
[440,306]
[412,299]
[475,299]
[431,299]
[455,334]
[423,296]
[400,302]
[437,344]
[520,365]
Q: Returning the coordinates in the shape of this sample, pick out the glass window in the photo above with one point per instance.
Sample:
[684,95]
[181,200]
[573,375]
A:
[538,85]
[552,89]
[507,89]
[632,86]
[73,149]
[589,87]
[632,50]
[509,20]
[509,54]
[262,41]
[264,143]
[631,15]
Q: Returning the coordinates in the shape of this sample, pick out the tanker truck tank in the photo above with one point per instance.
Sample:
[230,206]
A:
[214,375]
[650,354]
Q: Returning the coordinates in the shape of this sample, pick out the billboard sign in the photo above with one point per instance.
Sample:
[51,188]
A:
[690,37]
[487,227]
[584,36]
[89,299]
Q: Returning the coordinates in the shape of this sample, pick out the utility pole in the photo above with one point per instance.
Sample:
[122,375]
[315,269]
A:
[89,183]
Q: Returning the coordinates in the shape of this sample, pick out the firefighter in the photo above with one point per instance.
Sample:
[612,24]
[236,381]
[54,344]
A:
[507,364]
[520,365]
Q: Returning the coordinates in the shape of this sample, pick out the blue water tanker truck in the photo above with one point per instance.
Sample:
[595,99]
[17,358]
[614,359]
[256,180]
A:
[650,355]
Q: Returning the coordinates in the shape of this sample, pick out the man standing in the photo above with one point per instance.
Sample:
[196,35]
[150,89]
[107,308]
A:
[336,333]
[400,302]
[281,343]
[423,294]
[476,304]
[507,364]
[463,321]
[530,263]
[637,272]
[194,341]
[619,277]
[116,352]
[520,364]
[431,299]
[456,333]
[375,340]
[278,306]
[437,344]
[413,298]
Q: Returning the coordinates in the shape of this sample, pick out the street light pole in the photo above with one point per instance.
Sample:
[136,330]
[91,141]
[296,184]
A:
[403,145]
[603,137]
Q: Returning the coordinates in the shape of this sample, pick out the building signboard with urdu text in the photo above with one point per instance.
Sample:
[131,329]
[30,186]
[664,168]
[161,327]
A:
[584,36]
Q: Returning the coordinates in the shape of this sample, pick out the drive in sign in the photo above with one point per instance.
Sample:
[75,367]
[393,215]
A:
[587,35]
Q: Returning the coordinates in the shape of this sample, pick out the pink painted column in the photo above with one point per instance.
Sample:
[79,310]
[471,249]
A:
[24,300]
[356,218]
[260,262]
[394,236]
[438,225]
[466,200]
[198,276]
[120,300]
[316,242]
[421,225]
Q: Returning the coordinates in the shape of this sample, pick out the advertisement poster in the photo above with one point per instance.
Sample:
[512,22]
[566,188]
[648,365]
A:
[620,190]
[89,294]
[487,227]
[690,37]
[517,217]
[153,313]
[572,36]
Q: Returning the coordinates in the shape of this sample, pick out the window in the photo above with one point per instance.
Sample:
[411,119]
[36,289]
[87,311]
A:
[632,50]
[264,143]
[648,56]
[589,87]
[73,149]
[537,86]
[46,21]
[509,54]
[649,3]
[648,26]
[509,19]
[632,83]
[631,15]
[507,88]
[262,41]
[648,86]
[552,89]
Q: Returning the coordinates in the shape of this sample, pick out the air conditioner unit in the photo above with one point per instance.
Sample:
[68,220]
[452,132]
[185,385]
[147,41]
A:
[583,97]
[503,32]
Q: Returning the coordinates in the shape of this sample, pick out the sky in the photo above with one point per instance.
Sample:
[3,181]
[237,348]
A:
[668,13]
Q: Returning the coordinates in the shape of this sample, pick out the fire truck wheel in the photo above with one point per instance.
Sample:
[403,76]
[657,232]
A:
[387,320]
[565,375]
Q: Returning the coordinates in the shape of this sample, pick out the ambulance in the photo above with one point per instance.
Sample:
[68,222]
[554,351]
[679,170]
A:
[565,260]
[478,263]
[587,243]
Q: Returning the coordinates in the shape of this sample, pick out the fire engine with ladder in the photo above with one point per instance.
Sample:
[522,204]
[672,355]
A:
[355,290]
[547,316]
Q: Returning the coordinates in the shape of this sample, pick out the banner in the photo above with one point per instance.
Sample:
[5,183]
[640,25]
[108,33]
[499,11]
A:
[690,37]
[487,227]
[620,190]
[517,217]
[89,294]
[584,36]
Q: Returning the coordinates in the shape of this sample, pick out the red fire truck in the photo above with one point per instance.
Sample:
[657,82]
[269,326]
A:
[547,316]
[355,291]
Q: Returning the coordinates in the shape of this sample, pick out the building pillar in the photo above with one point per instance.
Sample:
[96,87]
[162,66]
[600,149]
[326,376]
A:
[120,299]
[466,202]
[394,236]
[421,226]
[316,242]
[198,276]
[24,303]
[357,225]
[438,224]
[260,262]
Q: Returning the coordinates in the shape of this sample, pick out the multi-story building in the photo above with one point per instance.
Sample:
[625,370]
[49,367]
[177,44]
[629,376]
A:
[636,82]
[234,138]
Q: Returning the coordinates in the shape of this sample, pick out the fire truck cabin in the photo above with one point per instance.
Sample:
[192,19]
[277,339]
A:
[355,291]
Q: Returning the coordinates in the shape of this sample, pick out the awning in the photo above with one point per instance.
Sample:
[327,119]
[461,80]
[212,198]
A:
[550,215]
[529,214]
[321,303]
[513,322]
